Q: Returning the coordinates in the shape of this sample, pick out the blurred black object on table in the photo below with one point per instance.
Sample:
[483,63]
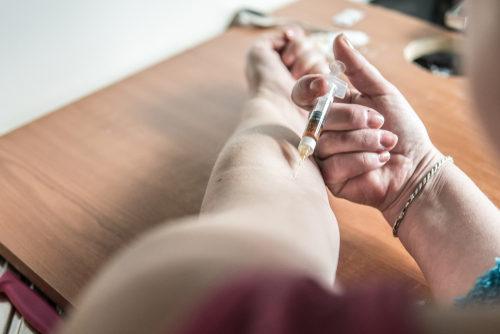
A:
[430,10]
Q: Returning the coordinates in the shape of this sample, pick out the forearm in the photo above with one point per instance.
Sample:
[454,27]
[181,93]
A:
[255,216]
[254,173]
[453,231]
[258,162]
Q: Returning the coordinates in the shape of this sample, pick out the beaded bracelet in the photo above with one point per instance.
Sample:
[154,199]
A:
[417,191]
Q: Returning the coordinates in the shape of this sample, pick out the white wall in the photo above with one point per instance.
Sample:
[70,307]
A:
[53,52]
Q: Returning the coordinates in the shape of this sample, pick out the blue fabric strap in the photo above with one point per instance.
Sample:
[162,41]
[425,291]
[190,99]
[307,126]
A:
[486,291]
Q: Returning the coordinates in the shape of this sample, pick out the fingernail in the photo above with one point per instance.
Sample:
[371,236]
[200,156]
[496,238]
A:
[384,156]
[315,86]
[374,119]
[347,41]
[387,139]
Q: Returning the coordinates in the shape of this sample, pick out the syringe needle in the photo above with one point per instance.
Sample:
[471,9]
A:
[296,172]
[301,160]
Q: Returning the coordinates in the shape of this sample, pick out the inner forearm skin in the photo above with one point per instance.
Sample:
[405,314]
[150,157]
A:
[254,173]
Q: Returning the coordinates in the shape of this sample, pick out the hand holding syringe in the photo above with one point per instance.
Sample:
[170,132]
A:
[338,88]
[373,143]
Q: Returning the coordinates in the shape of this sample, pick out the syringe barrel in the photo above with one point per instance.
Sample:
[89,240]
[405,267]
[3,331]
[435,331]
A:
[338,88]
[318,115]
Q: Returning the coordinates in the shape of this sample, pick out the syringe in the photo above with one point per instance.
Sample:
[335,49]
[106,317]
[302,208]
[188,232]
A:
[338,88]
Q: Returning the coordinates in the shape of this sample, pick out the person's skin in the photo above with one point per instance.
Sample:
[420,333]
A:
[482,67]
[452,229]
[255,215]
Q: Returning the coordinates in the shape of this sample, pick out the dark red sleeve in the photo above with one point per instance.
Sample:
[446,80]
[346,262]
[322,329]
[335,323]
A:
[289,304]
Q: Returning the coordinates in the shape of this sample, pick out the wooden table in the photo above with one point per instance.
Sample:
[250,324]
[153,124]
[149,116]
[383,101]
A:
[81,182]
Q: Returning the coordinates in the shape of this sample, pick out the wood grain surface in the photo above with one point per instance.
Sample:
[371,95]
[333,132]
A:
[81,182]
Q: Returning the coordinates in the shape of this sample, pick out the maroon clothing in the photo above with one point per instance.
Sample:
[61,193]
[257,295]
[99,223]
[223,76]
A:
[288,304]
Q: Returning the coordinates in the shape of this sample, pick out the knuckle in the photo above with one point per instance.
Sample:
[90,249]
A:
[342,167]
[343,137]
[367,159]
[363,117]
[327,170]
[341,163]
[366,139]
[322,149]
[251,53]
[374,139]
[359,117]
[351,115]
[299,92]
[256,52]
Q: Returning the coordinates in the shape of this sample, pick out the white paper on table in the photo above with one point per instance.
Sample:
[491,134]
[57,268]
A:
[324,41]
[348,17]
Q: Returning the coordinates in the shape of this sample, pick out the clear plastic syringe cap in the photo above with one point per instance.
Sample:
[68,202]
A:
[336,68]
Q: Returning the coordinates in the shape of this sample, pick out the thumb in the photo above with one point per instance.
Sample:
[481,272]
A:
[362,75]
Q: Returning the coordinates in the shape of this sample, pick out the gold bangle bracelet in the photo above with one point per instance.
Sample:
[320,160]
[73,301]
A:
[416,192]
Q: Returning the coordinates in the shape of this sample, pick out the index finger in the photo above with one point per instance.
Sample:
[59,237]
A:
[307,90]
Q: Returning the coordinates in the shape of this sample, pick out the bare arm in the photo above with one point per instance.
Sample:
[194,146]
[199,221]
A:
[255,217]
[253,179]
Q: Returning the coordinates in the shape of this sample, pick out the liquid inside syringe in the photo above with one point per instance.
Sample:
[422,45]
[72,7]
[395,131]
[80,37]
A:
[338,88]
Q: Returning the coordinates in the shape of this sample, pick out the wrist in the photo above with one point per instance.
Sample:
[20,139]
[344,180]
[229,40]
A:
[426,212]
[421,169]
